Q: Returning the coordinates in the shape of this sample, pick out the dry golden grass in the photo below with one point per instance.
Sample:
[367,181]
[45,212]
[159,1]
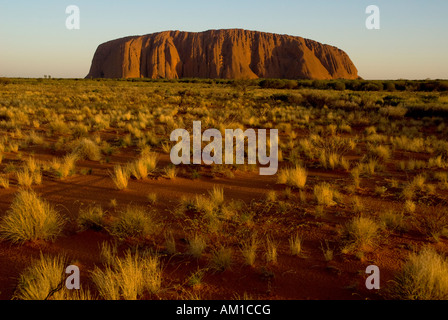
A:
[170,172]
[394,220]
[271,196]
[30,218]
[120,177]
[4,181]
[293,177]
[424,276]
[65,166]
[360,234]
[379,157]
[217,195]
[295,245]
[38,280]
[324,194]
[91,217]
[271,253]
[133,222]
[129,278]
[221,259]
[87,149]
[249,251]
[196,245]
[24,178]
[143,166]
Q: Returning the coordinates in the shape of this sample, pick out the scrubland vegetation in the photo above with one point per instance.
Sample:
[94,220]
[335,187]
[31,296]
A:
[362,179]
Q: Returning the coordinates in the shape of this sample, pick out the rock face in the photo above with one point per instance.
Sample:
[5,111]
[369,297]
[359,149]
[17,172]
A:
[226,54]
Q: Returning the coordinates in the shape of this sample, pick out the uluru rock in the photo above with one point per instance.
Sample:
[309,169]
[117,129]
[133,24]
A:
[226,54]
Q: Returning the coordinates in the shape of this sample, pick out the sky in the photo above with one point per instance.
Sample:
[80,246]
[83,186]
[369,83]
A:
[412,42]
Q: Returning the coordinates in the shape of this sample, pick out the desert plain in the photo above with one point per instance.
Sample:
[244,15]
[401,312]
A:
[86,179]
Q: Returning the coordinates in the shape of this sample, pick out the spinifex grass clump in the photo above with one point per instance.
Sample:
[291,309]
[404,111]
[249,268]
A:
[211,208]
[30,218]
[25,177]
[360,234]
[41,278]
[64,167]
[138,169]
[120,176]
[91,218]
[249,251]
[205,205]
[45,279]
[195,279]
[87,149]
[424,276]
[133,222]
[4,181]
[380,152]
[393,220]
[221,259]
[196,245]
[271,251]
[293,177]
[152,198]
[295,245]
[170,172]
[144,165]
[217,195]
[108,252]
[324,194]
[271,196]
[129,277]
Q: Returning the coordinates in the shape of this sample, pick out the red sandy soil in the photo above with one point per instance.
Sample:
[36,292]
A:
[305,277]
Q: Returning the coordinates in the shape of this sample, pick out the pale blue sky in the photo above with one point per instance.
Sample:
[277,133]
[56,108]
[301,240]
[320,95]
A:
[412,42]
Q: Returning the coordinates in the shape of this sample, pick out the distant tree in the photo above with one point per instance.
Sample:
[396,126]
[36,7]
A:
[400,85]
[319,84]
[372,86]
[291,84]
[339,85]
[390,86]
[272,83]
